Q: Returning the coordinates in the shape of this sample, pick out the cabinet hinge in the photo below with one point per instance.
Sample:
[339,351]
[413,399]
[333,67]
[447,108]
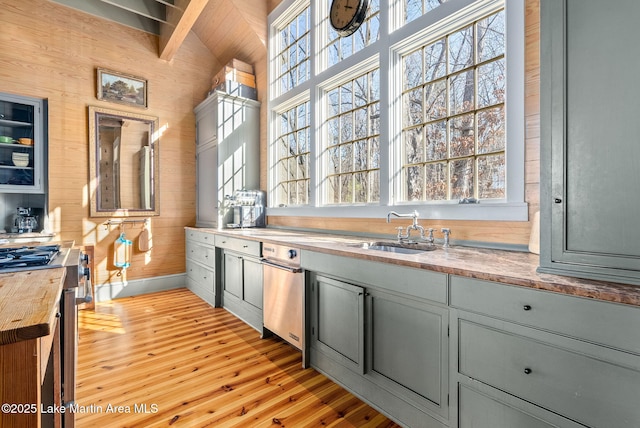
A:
[448,330]
[447,400]
[313,331]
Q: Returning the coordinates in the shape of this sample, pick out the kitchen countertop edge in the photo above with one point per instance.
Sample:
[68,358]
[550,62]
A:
[503,266]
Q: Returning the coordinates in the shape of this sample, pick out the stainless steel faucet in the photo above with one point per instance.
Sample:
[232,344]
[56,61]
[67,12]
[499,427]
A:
[414,226]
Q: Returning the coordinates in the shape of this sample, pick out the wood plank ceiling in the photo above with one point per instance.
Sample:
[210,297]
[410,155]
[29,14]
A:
[229,28]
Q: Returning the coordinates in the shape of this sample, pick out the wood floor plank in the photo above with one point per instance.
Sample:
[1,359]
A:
[191,365]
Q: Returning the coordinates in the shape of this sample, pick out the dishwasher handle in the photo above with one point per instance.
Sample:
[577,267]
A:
[291,269]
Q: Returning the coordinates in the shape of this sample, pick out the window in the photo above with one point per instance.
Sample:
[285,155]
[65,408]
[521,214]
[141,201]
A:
[294,48]
[352,150]
[292,148]
[421,108]
[453,134]
[338,48]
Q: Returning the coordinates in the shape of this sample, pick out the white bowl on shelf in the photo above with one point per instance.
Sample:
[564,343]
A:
[20,159]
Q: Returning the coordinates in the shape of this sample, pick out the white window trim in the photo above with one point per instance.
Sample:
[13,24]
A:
[390,46]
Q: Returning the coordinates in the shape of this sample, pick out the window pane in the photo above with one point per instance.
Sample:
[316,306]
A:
[461,180]
[461,50]
[413,146]
[415,183]
[413,107]
[435,60]
[461,87]
[491,40]
[413,70]
[436,140]
[491,83]
[491,176]
[491,130]
[436,176]
[436,100]
[462,136]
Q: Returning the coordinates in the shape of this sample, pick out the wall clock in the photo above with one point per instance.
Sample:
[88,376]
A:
[346,16]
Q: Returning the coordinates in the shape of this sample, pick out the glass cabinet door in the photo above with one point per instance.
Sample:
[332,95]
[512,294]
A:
[21,141]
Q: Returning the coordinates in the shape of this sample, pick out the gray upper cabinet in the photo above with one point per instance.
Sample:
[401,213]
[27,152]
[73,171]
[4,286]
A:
[227,153]
[590,143]
[23,142]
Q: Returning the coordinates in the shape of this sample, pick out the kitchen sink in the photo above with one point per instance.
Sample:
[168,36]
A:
[397,247]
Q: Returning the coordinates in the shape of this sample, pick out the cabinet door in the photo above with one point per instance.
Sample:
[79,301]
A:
[207,194]
[338,321]
[233,277]
[22,146]
[407,345]
[589,144]
[252,282]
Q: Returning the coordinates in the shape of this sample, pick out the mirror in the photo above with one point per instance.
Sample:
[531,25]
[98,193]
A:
[123,163]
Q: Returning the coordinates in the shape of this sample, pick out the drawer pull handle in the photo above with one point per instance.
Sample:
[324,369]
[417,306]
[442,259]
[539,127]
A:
[527,370]
[527,307]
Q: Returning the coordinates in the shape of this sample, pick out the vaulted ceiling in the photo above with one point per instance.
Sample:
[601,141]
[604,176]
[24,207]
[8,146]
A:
[229,28]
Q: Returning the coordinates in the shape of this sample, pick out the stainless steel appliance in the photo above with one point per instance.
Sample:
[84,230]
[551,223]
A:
[248,208]
[283,295]
[26,220]
[76,290]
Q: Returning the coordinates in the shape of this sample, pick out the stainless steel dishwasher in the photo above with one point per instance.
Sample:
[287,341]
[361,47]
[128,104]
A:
[283,294]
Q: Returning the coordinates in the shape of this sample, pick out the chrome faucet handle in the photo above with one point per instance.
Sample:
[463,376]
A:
[429,237]
[446,232]
[400,235]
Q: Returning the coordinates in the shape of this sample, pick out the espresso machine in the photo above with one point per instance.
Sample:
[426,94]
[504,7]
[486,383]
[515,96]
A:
[248,208]
[26,220]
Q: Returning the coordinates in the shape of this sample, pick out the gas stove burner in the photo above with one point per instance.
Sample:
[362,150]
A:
[18,257]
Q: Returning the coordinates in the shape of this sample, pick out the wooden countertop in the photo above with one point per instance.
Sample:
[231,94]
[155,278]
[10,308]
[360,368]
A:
[510,267]
[28,303]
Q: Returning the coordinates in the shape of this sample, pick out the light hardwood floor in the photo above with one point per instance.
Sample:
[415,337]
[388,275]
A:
[192,365]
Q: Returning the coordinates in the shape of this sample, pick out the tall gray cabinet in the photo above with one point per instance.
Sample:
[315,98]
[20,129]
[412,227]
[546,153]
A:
[227,153]
[590,146]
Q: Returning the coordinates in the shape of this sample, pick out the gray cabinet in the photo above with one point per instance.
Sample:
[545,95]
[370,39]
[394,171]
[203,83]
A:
[381,331]
[227,153]
[241,279]
[589,139]
[23,122]
[201,265]
[551,351]
[337,320]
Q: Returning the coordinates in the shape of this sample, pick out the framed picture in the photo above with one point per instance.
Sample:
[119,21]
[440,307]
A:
[121,88]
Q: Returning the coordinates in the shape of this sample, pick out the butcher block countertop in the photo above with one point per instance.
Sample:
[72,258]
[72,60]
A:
[510,267]
[29,303]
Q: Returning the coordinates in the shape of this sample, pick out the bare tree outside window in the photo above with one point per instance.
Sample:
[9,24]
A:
[352,152]
[293,147]
[454,138]
[293,53]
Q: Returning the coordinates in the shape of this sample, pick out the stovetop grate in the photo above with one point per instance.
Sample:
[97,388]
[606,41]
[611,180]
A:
[25,256]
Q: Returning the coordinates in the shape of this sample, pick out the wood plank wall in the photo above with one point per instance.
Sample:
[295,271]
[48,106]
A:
[503,232]
[50,51]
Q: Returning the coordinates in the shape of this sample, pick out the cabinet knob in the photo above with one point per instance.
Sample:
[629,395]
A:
[58,315]
[527,370]
[527,307]
[557,200]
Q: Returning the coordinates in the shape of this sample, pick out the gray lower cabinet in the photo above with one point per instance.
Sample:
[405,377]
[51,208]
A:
[241,279]
[200,265]
[373,331]
[547,350]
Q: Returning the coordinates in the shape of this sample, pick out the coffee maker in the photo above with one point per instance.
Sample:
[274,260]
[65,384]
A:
[248,208]
[26,221]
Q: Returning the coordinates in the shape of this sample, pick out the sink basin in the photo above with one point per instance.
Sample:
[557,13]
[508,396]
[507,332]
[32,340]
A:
[397,247]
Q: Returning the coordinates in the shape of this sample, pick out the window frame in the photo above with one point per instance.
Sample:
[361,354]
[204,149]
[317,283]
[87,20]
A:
[388,50]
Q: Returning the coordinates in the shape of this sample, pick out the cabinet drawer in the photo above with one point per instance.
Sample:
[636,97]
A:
[594,392]
[610,324]
[201,254]
[203,276]
[244,246]
[202,237]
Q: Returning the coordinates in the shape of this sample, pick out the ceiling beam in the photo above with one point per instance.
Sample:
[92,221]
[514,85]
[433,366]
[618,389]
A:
[147,8]
[179,22]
